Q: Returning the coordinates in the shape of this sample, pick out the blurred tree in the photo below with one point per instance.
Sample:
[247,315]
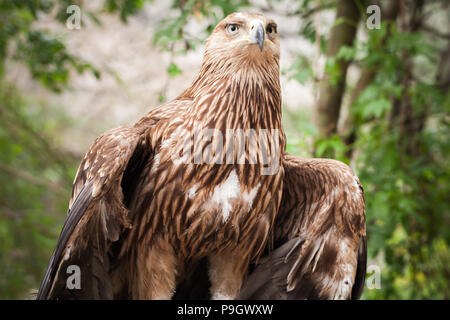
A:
[332,85]
[45,56]
[348,131]
[35,179]
[401,149]
[35,172]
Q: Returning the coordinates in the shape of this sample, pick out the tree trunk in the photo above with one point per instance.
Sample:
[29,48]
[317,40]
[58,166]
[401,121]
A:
[349,129]
[330,94]
[403,116]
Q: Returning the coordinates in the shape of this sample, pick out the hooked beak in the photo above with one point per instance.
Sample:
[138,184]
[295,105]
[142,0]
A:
[257,34]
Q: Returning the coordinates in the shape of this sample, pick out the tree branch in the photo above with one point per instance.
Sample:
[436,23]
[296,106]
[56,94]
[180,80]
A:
[435,32]
[19,173]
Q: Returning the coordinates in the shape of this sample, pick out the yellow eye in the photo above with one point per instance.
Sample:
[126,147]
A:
[232,28]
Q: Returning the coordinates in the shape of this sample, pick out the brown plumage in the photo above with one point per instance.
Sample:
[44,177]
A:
[150,218]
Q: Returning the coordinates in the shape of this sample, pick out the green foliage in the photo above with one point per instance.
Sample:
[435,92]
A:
[35,177]
[347,53]
[300,132]
[407,206]
[125,8]
[373,102]
[331,147]
[333,70]
[35,180]
[46,57]
[173,70]
[300,70]
[48,60]
[172,31]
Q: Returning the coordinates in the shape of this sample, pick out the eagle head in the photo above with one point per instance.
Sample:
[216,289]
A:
[243,40]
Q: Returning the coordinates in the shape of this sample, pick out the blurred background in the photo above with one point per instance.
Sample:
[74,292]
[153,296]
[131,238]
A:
[365,82]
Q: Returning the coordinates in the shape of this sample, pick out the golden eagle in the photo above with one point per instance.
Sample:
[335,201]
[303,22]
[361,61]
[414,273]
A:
[198,199]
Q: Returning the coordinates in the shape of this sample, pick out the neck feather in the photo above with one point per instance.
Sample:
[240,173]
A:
[242,95]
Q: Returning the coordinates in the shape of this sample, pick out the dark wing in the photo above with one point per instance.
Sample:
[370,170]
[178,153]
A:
[320,238]
[97,216]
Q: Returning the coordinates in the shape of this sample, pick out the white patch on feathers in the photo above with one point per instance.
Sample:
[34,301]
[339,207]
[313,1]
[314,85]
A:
[223,194]
[67,254]
[192,191]
[155,163]
[343,287]
[219,296]
[166,143]
[249,196]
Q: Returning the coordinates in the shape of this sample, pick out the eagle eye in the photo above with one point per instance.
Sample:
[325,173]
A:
[232,28]
[271,29]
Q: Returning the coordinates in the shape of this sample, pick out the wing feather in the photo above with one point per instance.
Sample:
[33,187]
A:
[96,217]
[319,233]
[98,213]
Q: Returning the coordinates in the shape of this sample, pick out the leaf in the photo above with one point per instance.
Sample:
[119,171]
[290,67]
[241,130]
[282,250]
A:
[347,53]
[173,70]
[333,70]
[300,70]
[376,108]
